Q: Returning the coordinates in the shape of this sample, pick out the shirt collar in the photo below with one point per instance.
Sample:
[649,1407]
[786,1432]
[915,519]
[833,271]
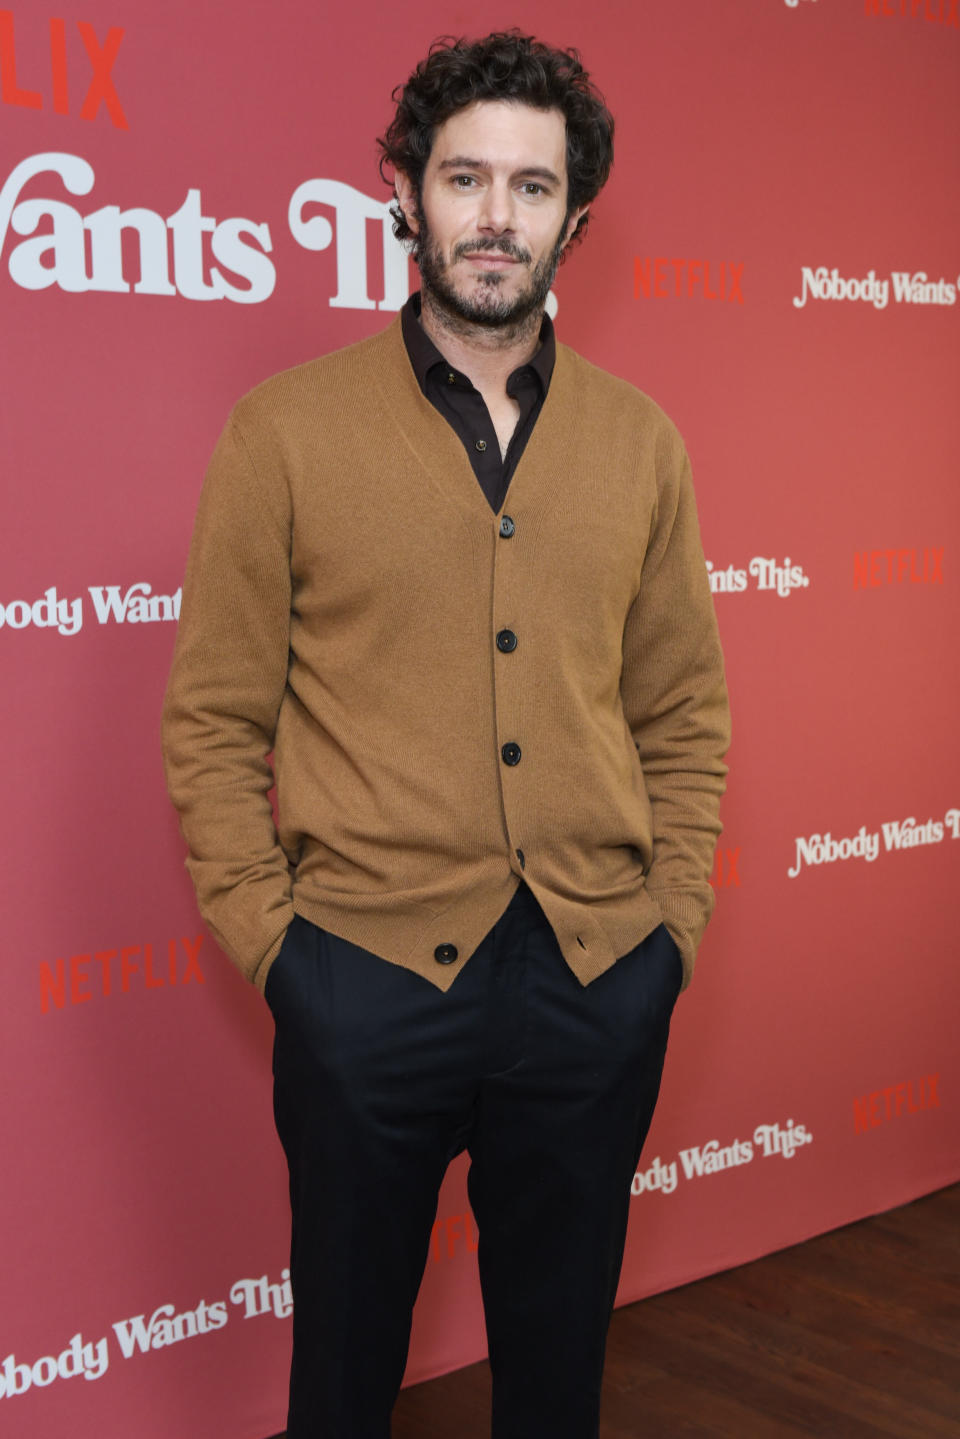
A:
[424,354]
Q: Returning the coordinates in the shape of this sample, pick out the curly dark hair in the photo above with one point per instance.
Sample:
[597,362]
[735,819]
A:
[506,65]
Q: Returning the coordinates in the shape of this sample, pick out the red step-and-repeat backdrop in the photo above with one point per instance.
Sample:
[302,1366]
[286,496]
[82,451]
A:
[189,201]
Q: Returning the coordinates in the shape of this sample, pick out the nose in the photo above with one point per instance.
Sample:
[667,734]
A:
[496,215]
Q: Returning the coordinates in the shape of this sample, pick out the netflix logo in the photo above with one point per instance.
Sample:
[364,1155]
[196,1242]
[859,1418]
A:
[74,85]
[726,869]
[938,12]
[453,1234]
[124,969]
[873,569]
[896,1101]
[658,278]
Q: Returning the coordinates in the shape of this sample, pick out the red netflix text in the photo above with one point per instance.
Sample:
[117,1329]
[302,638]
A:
[102,973]
[455,1233]
[726,869]
[897,1101]
[939,12]
[97,87]
[874,568]
[658,278]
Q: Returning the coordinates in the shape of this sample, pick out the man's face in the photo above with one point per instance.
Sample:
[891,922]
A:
[492,217]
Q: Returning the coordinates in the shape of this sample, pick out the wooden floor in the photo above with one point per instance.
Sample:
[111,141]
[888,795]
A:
[853,1335]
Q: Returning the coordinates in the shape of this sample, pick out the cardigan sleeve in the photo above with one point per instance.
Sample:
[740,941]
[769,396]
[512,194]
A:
[222,701]
[675,701]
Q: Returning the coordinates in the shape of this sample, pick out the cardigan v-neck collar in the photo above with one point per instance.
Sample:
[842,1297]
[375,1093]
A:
[439,450]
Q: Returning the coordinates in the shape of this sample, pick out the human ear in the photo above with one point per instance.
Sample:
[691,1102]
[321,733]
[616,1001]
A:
[407,200]
[572,224]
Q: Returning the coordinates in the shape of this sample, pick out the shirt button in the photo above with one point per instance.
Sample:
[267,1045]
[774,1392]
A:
[520,857]
[511,753]
[445,953]
[507,527]
[481,445]
[451,378]
[506,641]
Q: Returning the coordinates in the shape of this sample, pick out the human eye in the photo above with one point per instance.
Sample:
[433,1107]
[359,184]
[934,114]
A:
[533,188]
[463,182]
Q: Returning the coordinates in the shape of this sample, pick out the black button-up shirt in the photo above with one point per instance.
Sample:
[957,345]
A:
[463,406]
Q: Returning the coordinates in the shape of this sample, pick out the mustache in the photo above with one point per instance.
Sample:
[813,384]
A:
[502,246]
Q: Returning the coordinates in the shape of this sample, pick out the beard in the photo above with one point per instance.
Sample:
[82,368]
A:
[486,305]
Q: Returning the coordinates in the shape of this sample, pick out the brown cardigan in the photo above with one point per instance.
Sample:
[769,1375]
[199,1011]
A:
[346,585]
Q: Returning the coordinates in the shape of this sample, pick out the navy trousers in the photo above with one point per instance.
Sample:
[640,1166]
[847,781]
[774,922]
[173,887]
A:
[380,1079]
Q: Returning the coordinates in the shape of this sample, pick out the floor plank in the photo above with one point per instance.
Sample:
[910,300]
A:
[853,1335]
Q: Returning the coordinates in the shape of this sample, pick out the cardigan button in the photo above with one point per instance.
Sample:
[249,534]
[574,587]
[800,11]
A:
[445,953]
[511,753]
[507,527]
[506,641]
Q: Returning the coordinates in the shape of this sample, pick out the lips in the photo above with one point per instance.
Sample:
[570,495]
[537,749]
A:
[493,262]
[503,252]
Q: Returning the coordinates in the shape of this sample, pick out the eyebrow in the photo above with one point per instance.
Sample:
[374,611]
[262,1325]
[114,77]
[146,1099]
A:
[467,162]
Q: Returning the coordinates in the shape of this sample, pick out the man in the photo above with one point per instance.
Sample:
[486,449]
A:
[451,576]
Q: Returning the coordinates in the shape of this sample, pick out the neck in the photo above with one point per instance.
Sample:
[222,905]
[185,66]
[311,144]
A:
[486,354]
